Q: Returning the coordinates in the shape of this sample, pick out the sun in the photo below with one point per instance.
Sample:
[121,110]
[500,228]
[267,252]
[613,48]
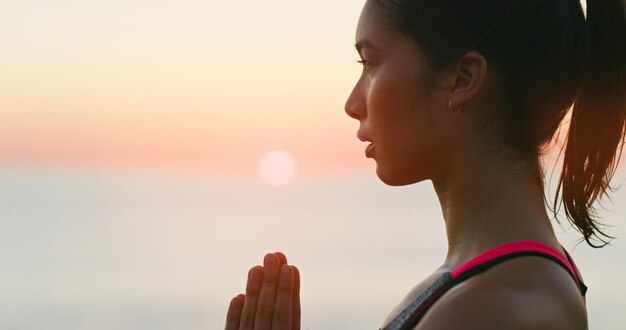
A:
[277,168]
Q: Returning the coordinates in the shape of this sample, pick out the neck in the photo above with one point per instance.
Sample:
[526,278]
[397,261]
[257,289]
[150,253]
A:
[489,201]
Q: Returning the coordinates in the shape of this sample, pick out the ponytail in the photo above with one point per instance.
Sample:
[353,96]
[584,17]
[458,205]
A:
[596,133]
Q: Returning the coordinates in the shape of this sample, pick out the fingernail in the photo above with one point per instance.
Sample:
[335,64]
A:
[270,260]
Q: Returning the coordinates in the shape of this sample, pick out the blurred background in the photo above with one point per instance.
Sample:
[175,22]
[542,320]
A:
[151,152]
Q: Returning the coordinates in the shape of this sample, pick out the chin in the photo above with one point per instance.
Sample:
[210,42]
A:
[396,179]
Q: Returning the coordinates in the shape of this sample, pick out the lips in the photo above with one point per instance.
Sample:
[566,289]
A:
[370,148]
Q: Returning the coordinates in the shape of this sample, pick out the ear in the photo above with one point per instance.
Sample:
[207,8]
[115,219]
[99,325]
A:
[470,75]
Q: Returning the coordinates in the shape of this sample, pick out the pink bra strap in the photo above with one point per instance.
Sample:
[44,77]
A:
[516,248]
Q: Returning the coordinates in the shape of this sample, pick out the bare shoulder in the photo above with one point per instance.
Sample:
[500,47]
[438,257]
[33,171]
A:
[524,293]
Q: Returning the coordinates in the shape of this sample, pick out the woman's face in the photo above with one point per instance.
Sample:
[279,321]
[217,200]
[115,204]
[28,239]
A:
[407,123]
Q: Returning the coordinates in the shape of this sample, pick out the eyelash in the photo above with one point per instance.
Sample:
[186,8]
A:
[365,63]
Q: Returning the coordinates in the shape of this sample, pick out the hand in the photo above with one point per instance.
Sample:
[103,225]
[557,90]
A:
[272,299]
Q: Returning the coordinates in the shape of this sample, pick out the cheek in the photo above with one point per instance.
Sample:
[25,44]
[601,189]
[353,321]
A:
[395,105]
[408,123]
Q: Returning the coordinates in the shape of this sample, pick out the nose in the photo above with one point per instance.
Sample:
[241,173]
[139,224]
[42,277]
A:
[355,104]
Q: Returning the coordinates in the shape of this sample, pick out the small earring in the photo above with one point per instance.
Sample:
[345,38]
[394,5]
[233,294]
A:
[454,111]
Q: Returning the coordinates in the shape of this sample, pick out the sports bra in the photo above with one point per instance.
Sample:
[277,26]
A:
[413,313]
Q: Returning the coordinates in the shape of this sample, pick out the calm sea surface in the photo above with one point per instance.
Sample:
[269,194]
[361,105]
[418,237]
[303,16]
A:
[103,250]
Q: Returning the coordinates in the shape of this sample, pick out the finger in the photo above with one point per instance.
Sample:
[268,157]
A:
[267,297]
[281,319]
[295,300]
[282,258]
[253,288]
[234,313]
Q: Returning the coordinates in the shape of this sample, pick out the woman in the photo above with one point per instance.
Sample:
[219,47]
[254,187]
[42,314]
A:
[469,94]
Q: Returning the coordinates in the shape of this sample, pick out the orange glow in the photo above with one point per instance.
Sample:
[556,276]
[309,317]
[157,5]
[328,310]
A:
[179,87]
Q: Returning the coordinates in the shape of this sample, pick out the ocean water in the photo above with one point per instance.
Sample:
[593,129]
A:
[119,250]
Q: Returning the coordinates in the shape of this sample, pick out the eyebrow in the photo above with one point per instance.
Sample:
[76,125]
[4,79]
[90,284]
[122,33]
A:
[363,44]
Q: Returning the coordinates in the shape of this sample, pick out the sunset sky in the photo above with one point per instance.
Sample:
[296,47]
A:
[203,85]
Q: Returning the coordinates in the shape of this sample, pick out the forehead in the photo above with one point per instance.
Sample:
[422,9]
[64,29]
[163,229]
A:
[370,25]
[374,30]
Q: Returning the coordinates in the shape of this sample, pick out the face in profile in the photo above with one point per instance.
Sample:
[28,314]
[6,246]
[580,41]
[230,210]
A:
[404,117]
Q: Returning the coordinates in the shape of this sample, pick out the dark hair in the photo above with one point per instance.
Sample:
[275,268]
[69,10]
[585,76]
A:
[547,57]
